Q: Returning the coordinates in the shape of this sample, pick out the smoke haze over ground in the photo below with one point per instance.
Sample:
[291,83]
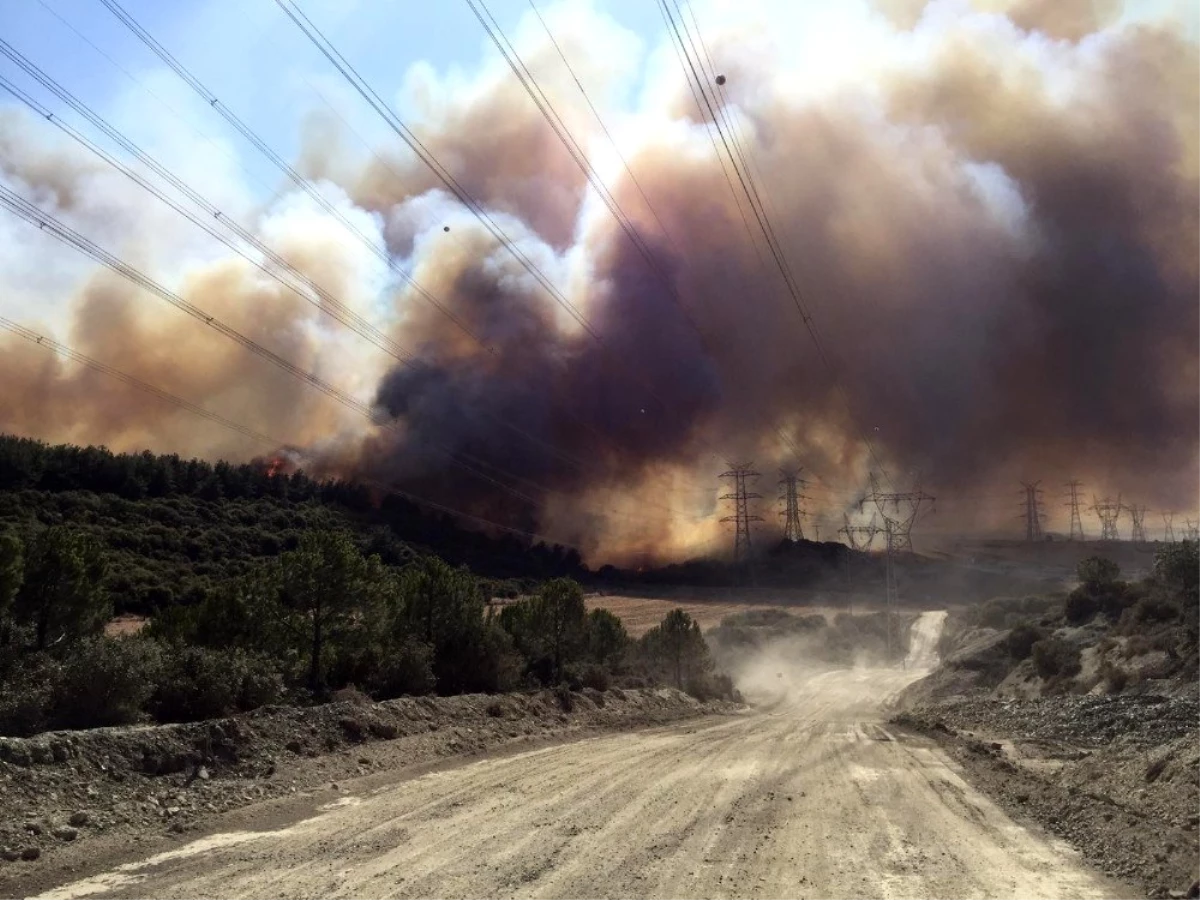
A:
[991,210]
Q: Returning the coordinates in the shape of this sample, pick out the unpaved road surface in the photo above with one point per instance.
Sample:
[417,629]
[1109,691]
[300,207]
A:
[807,796]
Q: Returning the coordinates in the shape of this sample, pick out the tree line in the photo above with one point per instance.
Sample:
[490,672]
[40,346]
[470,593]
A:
[321,616]
[176,515]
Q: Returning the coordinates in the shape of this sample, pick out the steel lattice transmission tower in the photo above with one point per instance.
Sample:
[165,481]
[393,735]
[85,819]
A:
[897,528]
[891,585]
[1073,503]
[1108,511]
[1033,514]
[1192,530]
[859,537]
[741,517]
[1169,527]
[1138,514]
[792,483]
[905,508]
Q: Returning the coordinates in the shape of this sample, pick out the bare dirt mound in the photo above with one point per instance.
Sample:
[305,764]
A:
[1118,777]
[62,789]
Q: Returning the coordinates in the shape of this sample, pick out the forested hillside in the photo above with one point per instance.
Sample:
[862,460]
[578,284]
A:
[174,527]
[263,588]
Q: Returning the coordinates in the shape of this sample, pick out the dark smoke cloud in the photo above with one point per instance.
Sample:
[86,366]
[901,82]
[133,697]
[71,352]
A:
[994,225]
[1007,281]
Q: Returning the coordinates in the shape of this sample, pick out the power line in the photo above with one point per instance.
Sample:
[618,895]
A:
[1108,511]
[1033,514]
[763,220]
[742,516]
[45,222]
[292,175]
[1138,515]
[323,300]
[299,180]
[66,352]
[546,107]
[556,123]
[1168,527]
[105,369]
[608,134]
[791,482]
[563,132]
[1073,503]
[373,99]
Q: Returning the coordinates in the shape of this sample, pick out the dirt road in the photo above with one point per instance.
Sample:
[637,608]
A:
[808,796]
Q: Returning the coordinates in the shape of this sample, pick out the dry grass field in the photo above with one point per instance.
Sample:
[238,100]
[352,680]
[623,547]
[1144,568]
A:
[640,614]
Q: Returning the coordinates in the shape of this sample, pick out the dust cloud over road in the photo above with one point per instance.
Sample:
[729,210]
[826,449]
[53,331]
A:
[808,795]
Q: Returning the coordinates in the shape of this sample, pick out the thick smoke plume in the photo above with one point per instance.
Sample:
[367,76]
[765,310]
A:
[991,211]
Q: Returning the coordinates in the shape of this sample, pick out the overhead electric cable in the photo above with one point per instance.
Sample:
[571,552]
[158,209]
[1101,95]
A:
[556,123]
[620,365]
[280,163]
[324,301]
[695,67]
[105,369]
[75,356]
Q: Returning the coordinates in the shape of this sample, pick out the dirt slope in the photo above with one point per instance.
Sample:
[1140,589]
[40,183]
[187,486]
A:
[807,796]
[73,799]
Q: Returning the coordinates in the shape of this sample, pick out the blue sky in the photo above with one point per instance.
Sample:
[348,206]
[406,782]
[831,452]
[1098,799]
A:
[254,59]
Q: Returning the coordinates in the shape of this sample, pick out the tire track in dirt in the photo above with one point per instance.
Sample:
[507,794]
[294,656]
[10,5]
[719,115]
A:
[814,799]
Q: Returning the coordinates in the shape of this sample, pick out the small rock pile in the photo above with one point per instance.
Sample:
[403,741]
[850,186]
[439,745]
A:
[1083,721]
[1117,777]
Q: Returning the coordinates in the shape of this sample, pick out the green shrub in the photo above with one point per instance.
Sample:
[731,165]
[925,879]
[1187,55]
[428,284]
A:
[1054,657]
[1096,571]
[105,681]
[1177,567]
[406,669]
[1019,642]
[197,683]
[1148,611]
[1081,606]
[596,678]
[26,695]
[710,686]
[607,639]
[993,613]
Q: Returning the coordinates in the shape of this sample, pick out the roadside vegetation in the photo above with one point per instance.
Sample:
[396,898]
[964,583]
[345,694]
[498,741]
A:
[292,608]
[172,528]
[318,619]
[1106,634]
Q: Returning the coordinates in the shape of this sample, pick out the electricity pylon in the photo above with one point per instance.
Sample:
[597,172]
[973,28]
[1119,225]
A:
[1033,514]
[1169,527]
[741,508]
[1073,503]
[891,586]
[854,533]
[1192,530]
[1138,514]
[1108,511]
[905,508]
[791,497]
